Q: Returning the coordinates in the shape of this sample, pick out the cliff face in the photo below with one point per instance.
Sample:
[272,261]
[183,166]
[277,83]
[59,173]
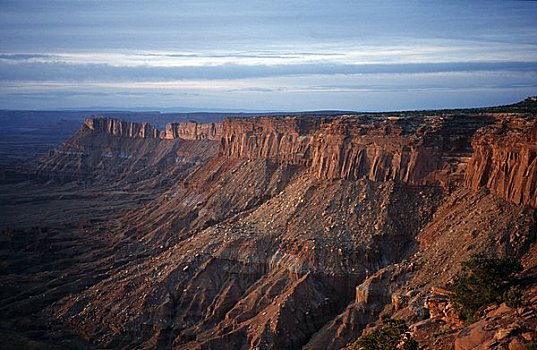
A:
[193,131]
[505,159]
[107,148]
[190,130]
[426,152]
[281,139]
[496,151]
[121,128]
[416,151]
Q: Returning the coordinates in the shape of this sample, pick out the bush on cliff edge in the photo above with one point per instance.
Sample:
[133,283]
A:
[392,335]
[483,281]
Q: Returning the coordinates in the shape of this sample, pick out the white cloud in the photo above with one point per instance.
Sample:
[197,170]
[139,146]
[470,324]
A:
[301,83]
[339,53]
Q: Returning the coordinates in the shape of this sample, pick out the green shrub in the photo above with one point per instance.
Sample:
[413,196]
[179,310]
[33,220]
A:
[513,297]
[483,281]
[392,335]
[530,346]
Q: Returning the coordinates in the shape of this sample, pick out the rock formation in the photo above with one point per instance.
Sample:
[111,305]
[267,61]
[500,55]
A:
[106,148]
[190,130]
[193,131]
[443,150]
[504,159]
[121,128]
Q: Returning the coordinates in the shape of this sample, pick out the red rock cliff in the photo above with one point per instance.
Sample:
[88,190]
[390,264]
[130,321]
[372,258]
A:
[426,150]
[496,151]
[379,150]
[122,128]
[283,139]
[505,159]
[192,130]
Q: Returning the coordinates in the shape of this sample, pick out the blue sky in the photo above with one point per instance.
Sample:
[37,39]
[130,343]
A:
[266,55]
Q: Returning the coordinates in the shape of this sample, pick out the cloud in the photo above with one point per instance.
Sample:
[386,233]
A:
[416,51]
[406,79]
[18,57]
[102,72]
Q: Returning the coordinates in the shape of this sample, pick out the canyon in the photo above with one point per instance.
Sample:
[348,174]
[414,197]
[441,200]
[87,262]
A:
[269,232]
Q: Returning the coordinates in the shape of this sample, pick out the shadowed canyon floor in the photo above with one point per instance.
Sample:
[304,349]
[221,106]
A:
[281,232]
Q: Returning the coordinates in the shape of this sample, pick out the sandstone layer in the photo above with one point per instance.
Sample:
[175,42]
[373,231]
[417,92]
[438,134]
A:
[496,151]
[505,159]
[121,128]
[193,131]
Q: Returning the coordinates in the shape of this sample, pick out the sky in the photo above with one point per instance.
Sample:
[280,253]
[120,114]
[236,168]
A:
[274,55]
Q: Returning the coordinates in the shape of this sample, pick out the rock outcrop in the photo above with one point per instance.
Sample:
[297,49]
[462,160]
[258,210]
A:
[504,159]
[192,130]
[279,139]
[106,148]
[497,151]
[482,150]
[414,150]
[121,128]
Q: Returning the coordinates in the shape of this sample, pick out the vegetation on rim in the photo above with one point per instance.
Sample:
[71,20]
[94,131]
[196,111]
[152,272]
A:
[392,335]
[484,280]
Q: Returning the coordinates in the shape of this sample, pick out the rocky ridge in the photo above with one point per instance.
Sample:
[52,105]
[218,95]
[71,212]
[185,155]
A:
[118,127]
[190,130]
[505,159]
[193,131]
[106,148]
[444,150]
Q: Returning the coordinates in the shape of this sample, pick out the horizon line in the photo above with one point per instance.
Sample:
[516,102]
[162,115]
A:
[188,110]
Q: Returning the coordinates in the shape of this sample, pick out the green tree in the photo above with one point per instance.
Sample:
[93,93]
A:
[392,335]
[483,281]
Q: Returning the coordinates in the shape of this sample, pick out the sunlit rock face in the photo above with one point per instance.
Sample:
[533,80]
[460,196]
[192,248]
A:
[504,159]
[193,131]
[106,148]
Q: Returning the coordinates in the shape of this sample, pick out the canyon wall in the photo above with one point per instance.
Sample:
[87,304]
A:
[281,139]
[505,159]
[496,151]
[378,150]
[192,130]
[121,128]
[416,151]
[106,148]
